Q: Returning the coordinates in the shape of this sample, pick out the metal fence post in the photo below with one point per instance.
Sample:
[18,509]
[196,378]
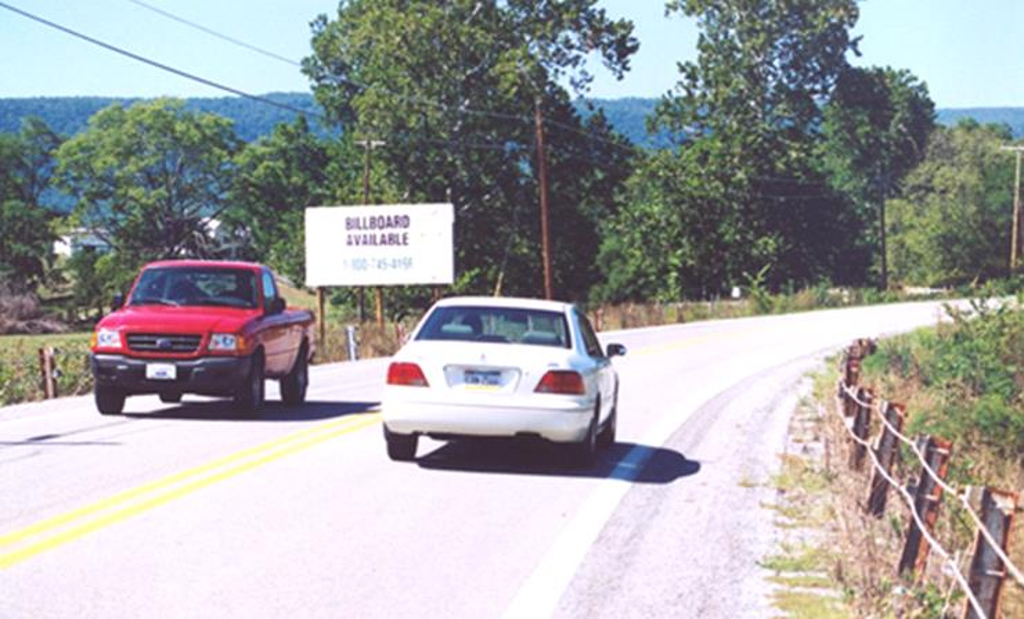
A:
[885,451]
[927,495]
[987,569]
[353,346]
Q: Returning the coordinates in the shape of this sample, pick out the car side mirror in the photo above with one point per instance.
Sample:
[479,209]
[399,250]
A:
[616,350]
[117,302]
[276,305]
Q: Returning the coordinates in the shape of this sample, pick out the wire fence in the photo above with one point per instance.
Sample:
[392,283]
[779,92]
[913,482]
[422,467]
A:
[990,564]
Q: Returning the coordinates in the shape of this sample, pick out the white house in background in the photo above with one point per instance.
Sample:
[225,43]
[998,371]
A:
[76,240]
[72,242]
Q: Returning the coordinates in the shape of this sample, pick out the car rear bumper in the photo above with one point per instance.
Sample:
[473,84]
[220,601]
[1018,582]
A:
[206,375]
[562,424]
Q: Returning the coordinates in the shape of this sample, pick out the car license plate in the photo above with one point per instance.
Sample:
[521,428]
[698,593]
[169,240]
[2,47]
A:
[485,380]
[161,371]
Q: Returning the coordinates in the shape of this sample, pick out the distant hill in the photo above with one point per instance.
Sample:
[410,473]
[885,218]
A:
[69,115]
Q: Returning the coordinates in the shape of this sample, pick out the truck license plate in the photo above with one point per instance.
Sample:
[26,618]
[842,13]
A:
[161,371]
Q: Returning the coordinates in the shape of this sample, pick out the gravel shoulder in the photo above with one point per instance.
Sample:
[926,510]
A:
[694,547]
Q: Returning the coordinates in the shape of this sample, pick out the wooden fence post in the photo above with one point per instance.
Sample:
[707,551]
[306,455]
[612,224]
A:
[987,569]
[885,451]
[927,495]
[861,427]
[46,369]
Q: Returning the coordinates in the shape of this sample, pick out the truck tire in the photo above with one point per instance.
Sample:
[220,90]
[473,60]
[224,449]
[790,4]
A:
[109,400]
[250,394]
[295,384]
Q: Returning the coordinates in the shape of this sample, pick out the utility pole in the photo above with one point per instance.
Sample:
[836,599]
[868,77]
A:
[369,145]
[542,171]
[1015,233]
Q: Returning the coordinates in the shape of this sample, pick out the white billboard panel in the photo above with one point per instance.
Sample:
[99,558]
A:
[383,245]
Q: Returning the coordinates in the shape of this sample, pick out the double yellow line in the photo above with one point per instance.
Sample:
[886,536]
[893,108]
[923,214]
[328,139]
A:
[64,528]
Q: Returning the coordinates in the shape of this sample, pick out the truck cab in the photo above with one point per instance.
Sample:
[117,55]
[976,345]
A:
[217,328]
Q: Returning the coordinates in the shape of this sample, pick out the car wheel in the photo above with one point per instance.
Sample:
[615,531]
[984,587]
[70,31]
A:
[249,396]
[295,384]
[170,398]
[401,447]
[607,437]
[584,451]
[109,400]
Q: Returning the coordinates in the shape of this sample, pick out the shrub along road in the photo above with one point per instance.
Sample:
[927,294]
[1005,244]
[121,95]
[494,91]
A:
[192,512]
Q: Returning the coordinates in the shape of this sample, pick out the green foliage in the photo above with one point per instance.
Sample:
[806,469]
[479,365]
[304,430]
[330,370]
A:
[26,238]
[952,223]
[19,366]
[148,178]
[744,189]
[971,374]
[426,62]
[275,179]
[876,126]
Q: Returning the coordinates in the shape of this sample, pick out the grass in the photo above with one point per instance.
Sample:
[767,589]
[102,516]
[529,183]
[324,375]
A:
[20,376]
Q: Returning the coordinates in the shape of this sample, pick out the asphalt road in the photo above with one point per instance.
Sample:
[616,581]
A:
[188,511]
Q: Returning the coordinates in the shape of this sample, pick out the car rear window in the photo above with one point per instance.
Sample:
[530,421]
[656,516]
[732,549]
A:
[496,324]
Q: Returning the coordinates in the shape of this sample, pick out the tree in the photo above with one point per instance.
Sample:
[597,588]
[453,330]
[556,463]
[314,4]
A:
[452,87]
[276,178]
[876,127]
[951,223]
[746,192]
[148,179]
[26,239]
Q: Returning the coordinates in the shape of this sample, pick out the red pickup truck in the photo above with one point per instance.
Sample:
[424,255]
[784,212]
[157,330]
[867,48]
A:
[196,326]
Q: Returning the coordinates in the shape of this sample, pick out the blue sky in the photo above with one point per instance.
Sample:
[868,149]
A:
[970,52]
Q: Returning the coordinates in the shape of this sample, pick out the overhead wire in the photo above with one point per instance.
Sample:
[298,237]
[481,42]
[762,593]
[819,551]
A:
[365,87]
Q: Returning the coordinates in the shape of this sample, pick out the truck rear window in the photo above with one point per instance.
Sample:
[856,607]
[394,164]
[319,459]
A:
[211,286]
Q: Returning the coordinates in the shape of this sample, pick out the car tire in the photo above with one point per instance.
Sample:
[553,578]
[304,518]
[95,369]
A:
[583,452]
[250,394]
[170,398]
[401,447]
[607,436]
[109,400]
[296,383]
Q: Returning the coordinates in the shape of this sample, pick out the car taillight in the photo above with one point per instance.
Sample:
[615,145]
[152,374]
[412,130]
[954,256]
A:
[561,381]
[408,374]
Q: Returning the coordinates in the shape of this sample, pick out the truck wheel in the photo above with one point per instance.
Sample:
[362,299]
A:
[109,400]
[401,447]
[249,396]
[294,385]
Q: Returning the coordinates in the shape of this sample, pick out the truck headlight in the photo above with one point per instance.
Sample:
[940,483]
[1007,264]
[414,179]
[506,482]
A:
[106,338]
[227,342]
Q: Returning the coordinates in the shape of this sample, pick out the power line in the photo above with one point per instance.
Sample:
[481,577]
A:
[219,35]
[526,120]
[158,65]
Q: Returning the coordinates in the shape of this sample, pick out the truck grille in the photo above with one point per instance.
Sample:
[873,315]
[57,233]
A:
[144,342]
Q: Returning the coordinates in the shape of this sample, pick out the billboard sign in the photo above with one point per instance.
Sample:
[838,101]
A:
[383,245]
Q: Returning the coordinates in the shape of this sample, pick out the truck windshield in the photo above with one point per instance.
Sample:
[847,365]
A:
[196,286]
[496,324]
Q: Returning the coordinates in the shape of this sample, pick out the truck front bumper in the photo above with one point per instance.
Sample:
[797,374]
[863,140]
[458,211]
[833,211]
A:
[217,376]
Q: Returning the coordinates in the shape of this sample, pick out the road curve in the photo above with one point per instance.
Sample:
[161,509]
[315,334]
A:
[187,511]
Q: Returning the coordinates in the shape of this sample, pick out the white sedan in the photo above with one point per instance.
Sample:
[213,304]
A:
[502,367]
